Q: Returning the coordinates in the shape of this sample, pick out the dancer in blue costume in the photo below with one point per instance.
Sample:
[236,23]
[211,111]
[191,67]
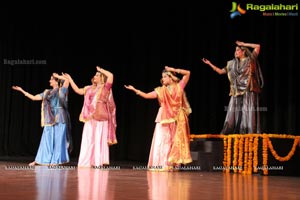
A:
[55,143]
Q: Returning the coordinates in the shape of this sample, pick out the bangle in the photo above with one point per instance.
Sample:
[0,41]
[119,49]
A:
[178,71]
[26,94]
[138,92]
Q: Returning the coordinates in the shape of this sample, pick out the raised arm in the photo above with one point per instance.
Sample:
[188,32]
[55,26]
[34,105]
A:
[108,74]
[184,72]
[256,47]
[215,68]
[79,91]
[26,94]
[61,77]
[150,95]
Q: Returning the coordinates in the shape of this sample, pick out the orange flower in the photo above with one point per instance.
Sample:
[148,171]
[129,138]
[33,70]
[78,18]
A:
[245,150]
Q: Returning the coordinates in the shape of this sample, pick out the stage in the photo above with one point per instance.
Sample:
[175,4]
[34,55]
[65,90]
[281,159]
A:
[129,180]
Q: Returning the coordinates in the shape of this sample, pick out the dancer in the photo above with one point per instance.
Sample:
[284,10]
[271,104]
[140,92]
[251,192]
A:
[246,82]
[99,116]
[56,142]
[171,140]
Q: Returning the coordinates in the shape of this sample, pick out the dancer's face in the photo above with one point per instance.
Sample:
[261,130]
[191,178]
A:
[239,53]
[166,79]
[96,78]
[53,82]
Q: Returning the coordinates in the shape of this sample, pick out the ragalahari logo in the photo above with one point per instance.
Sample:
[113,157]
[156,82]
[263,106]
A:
[236,10]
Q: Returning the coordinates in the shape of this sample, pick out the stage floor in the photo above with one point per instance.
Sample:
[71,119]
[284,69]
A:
[132,181]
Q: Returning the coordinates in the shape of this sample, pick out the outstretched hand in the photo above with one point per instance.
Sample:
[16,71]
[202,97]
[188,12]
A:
[17,88]
[206,61]
[129,87]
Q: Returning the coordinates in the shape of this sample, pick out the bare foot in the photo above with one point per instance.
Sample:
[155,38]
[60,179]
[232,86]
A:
[32,163]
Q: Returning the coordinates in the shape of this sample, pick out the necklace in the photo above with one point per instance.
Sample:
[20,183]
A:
[170,89]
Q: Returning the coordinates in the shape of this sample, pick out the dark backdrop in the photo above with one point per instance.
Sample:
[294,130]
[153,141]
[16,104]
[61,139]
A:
[135,44]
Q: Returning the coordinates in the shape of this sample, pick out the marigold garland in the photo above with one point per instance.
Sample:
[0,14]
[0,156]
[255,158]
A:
[265,154]
[228,162]
[250,155]
[255,154]
[288,156]
[235,154]
[225,152]
[245,150]
[241,150]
